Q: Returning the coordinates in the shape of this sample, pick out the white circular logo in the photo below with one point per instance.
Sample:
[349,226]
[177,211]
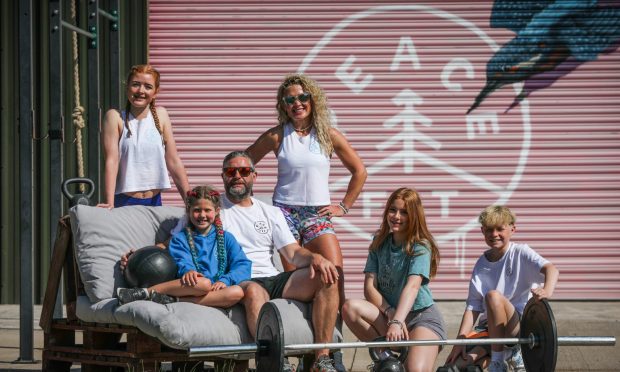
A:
[261,227]
[400,79]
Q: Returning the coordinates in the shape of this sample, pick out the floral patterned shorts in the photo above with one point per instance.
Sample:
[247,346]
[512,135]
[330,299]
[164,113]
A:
[305,222]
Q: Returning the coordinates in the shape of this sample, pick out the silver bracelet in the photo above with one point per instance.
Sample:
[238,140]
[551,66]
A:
[344,209]
[394,321]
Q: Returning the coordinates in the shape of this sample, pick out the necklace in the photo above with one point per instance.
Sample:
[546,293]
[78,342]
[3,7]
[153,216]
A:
[302,130]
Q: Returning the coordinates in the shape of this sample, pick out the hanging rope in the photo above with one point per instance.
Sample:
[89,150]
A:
[78,110]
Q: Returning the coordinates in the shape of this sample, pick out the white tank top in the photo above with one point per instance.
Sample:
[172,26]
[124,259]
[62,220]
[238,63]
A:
[142,163]
[303,170]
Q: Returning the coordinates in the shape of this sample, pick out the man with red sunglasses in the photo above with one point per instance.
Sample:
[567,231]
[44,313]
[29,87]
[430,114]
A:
[259,228]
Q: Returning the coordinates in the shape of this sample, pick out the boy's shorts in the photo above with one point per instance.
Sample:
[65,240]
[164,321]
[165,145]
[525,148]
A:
[305,222]
[430,318]
[274,285]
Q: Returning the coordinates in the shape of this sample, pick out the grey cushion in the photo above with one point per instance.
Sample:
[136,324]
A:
[101,236]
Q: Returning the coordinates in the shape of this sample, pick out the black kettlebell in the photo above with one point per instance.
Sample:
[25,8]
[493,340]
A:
[389,360]
[78,199]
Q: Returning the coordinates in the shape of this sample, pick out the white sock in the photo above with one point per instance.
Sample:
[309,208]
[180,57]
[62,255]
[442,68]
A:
[497,356]
[508,352]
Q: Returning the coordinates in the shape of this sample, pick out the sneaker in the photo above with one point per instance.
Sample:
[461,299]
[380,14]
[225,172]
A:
[287,366]
[163,299]
[337,355]
[515,361]
[324,364]
[127,295]
[497,366]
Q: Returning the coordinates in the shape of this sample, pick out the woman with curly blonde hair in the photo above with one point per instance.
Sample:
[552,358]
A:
[303,143]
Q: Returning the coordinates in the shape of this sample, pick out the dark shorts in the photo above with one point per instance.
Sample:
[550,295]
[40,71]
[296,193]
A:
[274,285]
[429,318]
[122,200]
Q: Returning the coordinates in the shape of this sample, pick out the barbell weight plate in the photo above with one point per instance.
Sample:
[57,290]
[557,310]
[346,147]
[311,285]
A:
[270,339]
[538,320]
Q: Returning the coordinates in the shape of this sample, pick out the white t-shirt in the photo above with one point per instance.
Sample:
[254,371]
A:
[513,275]
[260,230]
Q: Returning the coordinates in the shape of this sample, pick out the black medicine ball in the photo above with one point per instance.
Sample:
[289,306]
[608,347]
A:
[149,266]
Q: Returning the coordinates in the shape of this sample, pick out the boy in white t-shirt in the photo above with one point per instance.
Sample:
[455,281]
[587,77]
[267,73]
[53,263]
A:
[502,281]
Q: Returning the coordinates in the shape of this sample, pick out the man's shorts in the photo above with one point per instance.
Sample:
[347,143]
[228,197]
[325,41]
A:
[274,285]
[305,222]
[122,200]
[429,318]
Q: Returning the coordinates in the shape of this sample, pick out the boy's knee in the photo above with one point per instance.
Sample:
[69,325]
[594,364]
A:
[493,297]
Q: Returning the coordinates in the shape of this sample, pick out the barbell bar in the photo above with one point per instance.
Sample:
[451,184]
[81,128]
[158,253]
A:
[538,333]
[221,350]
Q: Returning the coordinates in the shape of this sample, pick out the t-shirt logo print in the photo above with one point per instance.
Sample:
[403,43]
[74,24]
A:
[261,227]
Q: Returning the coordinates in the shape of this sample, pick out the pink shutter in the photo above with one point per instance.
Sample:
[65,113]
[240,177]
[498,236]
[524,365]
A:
[400,78]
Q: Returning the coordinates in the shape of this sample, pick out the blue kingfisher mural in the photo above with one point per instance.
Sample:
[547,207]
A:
[552,39]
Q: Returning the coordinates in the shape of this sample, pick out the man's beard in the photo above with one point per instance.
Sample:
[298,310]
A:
[238,194]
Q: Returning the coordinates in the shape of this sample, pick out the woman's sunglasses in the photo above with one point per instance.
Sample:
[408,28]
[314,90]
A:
[243,171]
[304,97]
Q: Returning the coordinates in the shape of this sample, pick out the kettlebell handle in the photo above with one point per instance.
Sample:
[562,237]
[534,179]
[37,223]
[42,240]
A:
[402,352]
[69,181]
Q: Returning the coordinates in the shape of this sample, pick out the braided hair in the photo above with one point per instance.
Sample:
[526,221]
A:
[211,194]
[144,69]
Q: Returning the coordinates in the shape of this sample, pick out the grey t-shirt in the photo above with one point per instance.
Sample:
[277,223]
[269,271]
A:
[393,266]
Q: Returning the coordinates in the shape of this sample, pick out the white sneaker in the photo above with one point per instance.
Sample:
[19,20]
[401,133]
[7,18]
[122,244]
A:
[515,361]
[497,366]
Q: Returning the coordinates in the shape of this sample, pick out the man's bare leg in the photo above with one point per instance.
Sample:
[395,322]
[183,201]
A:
[254,298]
[324,299]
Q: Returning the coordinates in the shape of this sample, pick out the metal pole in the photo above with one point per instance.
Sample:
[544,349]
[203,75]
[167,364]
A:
[115,56]
[26,118]
[78,30]
[218,350]
[56,130]
[94,109]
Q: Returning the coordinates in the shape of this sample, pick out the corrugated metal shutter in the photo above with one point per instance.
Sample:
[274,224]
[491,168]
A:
[400,78]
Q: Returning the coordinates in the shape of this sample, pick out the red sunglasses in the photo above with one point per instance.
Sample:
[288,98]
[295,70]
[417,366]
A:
[243,171]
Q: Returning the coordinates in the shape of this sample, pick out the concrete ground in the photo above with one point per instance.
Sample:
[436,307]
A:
[572,318]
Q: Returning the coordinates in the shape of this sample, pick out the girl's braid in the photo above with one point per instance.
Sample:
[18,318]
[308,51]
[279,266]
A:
[156,120]
[127,113]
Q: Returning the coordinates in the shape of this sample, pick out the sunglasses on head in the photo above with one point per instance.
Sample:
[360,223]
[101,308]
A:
[304,97]
[243,171]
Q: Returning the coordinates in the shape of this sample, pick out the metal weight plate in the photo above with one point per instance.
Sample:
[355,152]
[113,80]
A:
[538,320]
[270,339]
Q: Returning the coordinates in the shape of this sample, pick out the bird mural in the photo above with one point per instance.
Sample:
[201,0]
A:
[552,39]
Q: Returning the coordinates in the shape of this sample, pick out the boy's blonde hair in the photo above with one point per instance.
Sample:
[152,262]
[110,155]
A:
[497,215]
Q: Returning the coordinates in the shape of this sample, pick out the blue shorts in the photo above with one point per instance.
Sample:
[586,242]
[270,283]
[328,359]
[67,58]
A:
[122,200]
[305,222]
